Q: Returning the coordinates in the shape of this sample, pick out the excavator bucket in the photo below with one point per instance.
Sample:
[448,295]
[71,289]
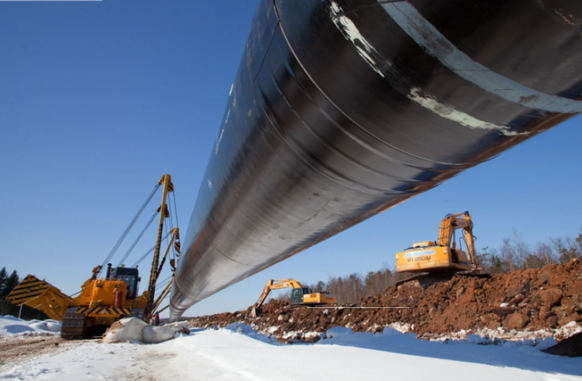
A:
[256,311]
[40,295]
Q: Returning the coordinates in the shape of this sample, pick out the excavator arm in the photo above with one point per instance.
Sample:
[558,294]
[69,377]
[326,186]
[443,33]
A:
[458,221]
[264,294]
[469,239]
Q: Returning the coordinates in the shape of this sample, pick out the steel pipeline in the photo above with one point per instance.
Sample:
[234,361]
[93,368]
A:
[343,109]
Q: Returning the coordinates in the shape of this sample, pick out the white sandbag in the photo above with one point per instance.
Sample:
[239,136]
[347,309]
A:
[128,329]
[136,330]
[152,335]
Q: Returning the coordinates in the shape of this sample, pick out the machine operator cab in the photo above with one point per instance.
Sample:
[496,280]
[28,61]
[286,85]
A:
[130,276]
[297,295]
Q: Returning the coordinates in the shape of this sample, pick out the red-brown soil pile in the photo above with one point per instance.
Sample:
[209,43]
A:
[527,300]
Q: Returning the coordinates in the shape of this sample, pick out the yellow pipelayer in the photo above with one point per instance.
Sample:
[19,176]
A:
[96,303]
[101,302]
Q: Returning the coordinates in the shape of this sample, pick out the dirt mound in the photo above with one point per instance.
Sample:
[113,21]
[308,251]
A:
[526,301]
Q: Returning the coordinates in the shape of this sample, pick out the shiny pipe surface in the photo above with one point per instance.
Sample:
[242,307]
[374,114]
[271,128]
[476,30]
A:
[343,109]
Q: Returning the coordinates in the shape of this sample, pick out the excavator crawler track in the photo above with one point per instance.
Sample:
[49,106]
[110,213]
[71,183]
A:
[427,280]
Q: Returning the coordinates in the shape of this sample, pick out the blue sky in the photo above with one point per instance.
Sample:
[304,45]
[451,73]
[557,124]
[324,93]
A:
[100,99]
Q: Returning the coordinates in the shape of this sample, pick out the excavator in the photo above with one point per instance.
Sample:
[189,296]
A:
[299,295]
[442,259]
[103,301]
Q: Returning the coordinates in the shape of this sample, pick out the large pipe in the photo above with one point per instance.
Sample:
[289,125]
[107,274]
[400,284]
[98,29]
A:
[342,109]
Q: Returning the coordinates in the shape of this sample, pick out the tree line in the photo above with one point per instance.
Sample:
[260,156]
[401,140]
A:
[7,284]
[512,255]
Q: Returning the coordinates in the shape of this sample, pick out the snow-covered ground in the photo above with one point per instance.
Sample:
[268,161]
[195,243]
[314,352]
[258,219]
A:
[10,325]
[239,353]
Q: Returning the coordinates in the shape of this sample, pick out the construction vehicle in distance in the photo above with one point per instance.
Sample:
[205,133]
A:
[101,302]
[299,295]
[442,259]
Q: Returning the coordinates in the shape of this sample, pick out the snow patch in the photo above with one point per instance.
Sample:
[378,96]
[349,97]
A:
[239,353]
[246,330]
[10,325]
[272,329]
[402,327]
[501,334]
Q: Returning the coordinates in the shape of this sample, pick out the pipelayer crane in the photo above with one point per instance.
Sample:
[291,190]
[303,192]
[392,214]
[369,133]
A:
[101,302]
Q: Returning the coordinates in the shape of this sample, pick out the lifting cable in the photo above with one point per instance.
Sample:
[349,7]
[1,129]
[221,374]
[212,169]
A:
[148,253]
[165,281]
[174,256]
[163,309]
[128,229]
[175,208]
[163,295]
[122,261]
[171,216]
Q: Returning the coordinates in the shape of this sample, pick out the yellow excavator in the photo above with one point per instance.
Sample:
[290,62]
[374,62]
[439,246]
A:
[299,295]
[102,301]
[442,256]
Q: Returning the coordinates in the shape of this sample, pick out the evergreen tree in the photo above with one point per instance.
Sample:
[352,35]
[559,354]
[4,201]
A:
[10,283]
[3,278]
[7,308]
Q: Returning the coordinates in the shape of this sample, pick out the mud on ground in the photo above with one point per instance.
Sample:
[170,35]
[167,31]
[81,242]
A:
[15,349]
[539,302]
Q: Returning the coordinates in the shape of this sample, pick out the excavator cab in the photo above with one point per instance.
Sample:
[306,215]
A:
[297,295]
[130,276]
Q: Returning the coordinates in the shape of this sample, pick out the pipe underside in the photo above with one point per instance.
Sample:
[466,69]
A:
[343,109]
